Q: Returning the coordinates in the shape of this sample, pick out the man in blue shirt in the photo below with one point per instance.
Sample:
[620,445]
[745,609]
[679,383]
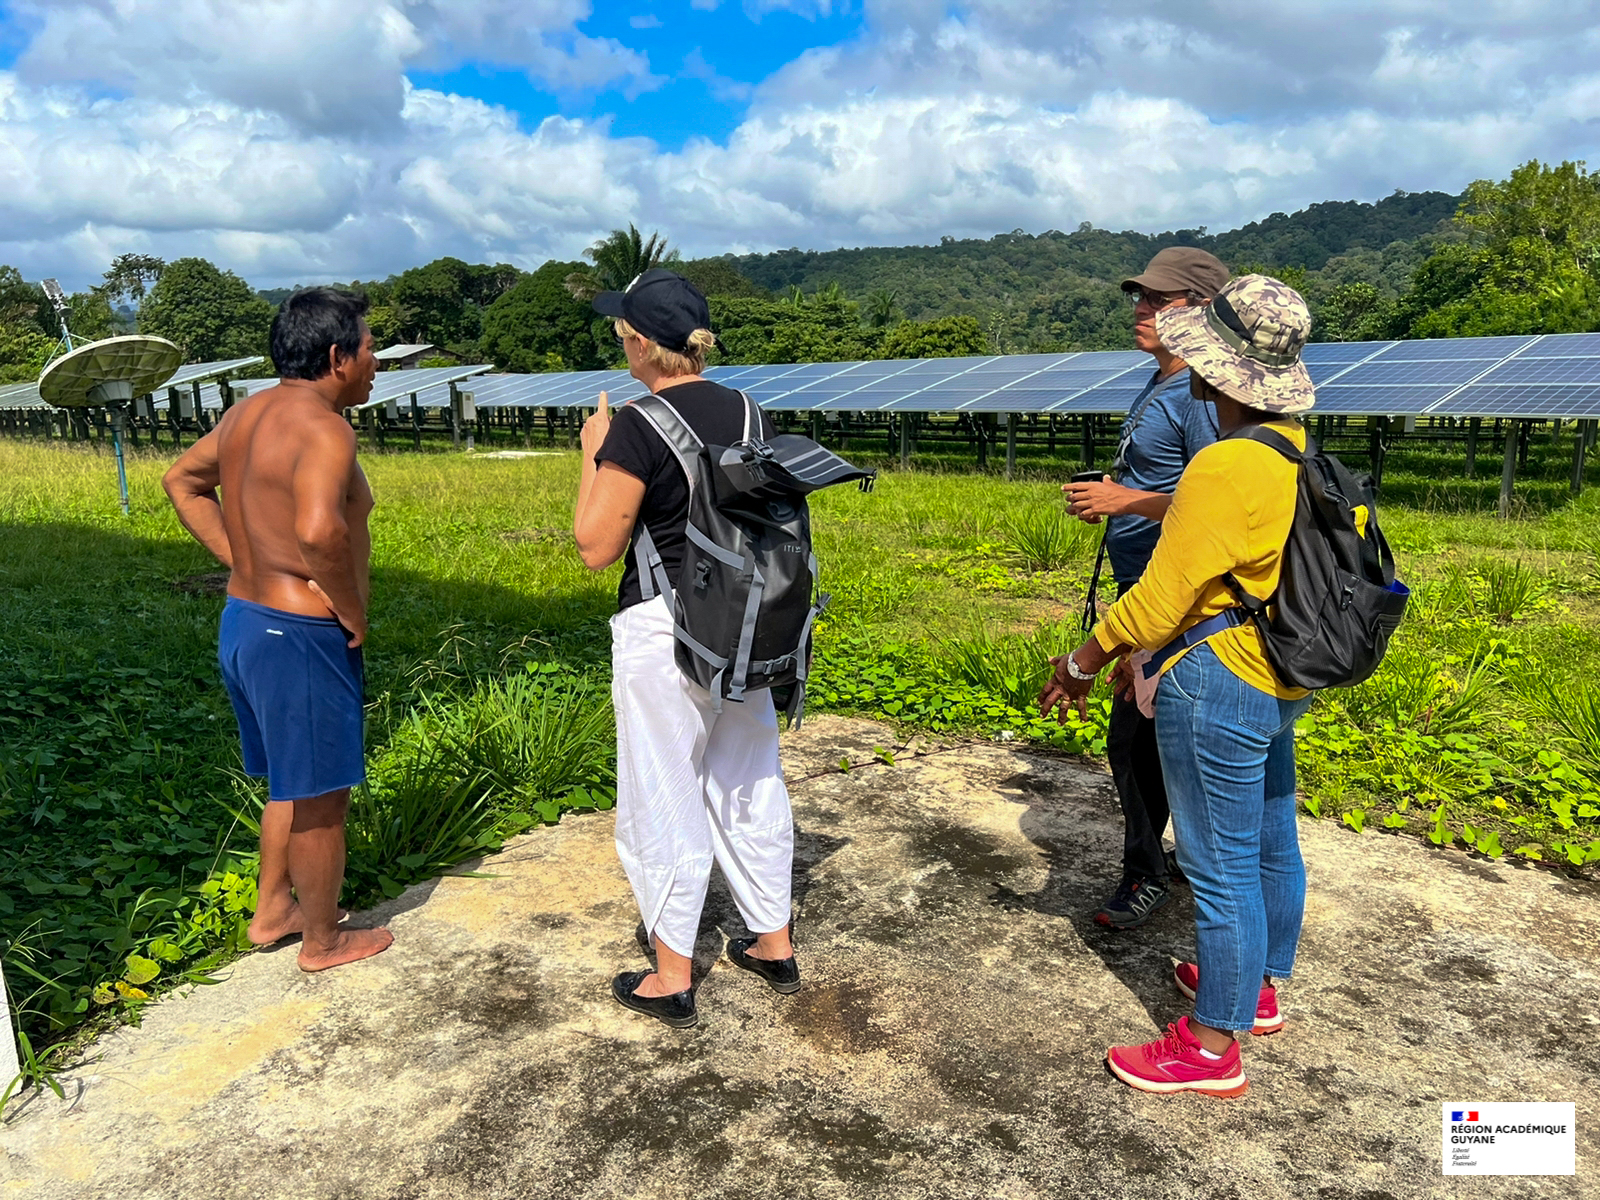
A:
[1164,429]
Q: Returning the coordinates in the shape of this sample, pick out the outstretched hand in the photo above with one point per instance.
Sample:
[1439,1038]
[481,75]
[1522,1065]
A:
[1066,692]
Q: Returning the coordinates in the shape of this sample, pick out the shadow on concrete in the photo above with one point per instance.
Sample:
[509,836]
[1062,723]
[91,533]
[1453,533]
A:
[1084,864]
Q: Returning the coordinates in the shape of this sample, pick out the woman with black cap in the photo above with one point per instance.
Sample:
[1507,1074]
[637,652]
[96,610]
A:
[693,785]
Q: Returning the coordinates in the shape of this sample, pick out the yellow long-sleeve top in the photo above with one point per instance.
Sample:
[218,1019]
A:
[1231,512]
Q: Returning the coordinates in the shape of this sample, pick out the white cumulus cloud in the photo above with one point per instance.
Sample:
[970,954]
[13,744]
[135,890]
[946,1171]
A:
[292,146]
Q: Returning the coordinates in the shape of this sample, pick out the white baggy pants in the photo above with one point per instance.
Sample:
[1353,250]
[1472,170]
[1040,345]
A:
[694,785]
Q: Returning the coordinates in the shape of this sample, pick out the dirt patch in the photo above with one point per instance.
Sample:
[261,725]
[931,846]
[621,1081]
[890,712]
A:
[206,583]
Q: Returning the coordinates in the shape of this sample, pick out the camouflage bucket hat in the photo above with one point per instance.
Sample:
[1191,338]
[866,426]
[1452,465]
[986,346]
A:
[1246,343]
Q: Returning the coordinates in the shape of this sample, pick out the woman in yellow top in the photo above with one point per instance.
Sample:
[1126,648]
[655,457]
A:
[1224,721]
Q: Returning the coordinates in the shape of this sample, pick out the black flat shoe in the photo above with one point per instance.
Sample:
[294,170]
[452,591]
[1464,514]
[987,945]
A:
[782,975]
[676,1010]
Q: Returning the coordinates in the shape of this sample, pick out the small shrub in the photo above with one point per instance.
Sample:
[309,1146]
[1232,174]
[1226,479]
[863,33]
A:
[461,776]
[1443,599]
[1414,688]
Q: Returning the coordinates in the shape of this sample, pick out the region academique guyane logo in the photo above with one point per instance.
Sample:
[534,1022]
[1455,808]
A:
[1521,1138]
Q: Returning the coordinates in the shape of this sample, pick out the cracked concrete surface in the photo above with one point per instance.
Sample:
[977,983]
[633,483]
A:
[948,1041]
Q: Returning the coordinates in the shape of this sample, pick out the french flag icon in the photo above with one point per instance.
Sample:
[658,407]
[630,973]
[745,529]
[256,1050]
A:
[1471,1115]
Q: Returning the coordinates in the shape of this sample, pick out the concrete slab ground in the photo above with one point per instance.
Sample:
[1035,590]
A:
[948,1041]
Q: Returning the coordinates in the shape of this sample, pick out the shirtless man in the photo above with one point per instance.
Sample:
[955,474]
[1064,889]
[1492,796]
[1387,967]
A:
[294,533]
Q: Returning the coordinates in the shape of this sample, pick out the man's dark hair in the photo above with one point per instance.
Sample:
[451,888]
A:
[310,321]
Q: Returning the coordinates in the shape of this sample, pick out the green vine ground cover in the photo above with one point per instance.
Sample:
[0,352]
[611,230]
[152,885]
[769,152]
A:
[126,831]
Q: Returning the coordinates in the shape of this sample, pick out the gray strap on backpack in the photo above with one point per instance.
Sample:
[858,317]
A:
[685,444]
[752,418]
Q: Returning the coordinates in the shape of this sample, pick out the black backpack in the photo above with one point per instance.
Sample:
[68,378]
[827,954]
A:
[1338,601]
[744,611]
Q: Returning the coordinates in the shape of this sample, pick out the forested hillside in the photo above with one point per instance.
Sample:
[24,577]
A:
[1059,290]
[1519,255]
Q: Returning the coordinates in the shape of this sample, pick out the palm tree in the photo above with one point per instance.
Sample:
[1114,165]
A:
[881,308]
[619,258]
[829,293]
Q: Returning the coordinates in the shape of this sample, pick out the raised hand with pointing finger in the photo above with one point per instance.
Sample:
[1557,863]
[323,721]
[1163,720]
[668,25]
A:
[595,428]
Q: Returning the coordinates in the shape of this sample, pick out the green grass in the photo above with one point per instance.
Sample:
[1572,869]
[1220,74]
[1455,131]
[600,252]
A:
[126,860]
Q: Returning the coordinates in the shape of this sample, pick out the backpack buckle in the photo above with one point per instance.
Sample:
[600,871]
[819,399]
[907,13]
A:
[702,575]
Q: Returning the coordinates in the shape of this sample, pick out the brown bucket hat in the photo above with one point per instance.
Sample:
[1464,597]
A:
[1246,343]
[1181,269]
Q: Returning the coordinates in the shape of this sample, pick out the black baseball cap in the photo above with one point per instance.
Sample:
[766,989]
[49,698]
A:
[662,305]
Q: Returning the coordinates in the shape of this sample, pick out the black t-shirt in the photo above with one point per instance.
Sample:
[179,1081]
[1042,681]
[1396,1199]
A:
[716,414]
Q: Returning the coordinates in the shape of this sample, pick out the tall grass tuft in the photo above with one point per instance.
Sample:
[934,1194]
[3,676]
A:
[460,775]
[1574,707]
[1048,538]
[1013,668]
[1413,689]
[1511,590]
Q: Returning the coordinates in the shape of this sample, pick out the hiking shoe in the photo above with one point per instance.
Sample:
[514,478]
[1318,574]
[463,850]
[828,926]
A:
[1268,1019]
[1175,1064]
[1135,902]
[1174,871]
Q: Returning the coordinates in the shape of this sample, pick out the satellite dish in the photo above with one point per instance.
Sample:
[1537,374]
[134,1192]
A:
[109,374]
[104,372]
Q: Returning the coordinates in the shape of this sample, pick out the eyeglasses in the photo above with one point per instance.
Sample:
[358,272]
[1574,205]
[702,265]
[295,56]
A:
[1155,300]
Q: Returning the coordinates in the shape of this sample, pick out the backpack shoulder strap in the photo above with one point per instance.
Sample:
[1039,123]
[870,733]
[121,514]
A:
[668,422]
[1271,437]
[752,417]
[685,445]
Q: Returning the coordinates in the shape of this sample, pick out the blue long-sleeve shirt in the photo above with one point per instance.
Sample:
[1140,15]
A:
[1165,428]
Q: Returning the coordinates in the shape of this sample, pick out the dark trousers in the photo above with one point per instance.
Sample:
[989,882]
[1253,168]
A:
[1136,770]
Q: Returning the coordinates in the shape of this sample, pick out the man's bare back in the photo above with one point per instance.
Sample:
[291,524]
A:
[292,519]
[291,523]
[287,467]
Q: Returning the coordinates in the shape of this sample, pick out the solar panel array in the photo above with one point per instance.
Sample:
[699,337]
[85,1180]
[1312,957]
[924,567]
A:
[1544,376]
[1541,377]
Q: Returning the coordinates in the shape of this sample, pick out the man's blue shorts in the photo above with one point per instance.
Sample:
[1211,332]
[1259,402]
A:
[296,688]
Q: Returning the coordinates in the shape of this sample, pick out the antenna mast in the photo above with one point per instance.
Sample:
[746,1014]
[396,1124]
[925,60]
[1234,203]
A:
[58,301]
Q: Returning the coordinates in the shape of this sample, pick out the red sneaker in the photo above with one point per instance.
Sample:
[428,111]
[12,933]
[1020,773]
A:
[1174,1064]
[1268,1020]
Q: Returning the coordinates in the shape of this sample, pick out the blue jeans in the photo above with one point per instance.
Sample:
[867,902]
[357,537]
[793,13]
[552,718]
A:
[1227,750]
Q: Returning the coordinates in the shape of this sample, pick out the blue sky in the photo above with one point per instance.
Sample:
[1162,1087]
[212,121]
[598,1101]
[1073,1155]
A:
[711,61]
[349,140]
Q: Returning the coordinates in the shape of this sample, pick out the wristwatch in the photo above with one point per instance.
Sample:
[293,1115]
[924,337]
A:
[1076,671]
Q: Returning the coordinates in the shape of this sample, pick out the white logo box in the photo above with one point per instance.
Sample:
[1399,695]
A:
[1523,1138]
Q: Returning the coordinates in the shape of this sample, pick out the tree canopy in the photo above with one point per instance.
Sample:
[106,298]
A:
[538,325]
[210,313]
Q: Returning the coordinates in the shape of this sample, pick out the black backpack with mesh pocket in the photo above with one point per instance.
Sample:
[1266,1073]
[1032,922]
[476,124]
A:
[1338,601]
[743,605]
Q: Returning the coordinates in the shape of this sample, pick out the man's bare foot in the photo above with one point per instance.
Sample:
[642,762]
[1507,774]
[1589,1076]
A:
[350,945]
[267,928]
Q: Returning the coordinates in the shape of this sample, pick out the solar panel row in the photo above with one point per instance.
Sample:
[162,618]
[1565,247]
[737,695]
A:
[1535,376]
[1548,376]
